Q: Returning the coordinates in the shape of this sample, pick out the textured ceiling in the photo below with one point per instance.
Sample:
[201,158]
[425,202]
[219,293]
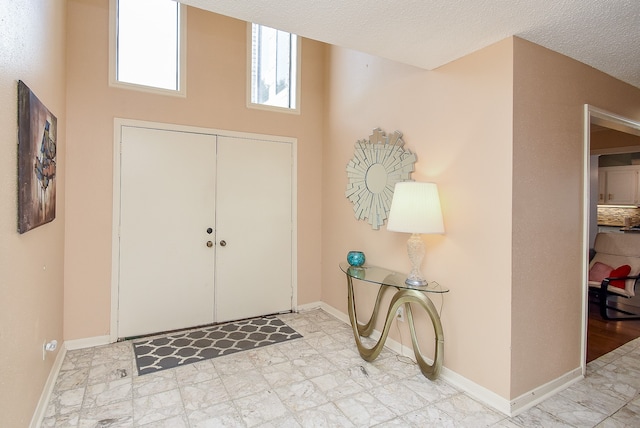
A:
[604,34]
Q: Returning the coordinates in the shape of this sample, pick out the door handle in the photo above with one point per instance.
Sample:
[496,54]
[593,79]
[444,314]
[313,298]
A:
[223,243]
[209,244]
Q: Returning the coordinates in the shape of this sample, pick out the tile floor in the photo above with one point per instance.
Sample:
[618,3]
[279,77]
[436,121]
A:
[317,381]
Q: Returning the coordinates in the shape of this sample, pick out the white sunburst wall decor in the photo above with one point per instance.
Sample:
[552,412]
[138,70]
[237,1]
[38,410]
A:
[377,165]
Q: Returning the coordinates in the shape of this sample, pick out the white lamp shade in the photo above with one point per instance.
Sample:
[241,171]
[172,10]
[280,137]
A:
[415,208]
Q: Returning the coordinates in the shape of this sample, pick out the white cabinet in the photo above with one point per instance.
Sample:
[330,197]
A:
[602,188]
[618,185]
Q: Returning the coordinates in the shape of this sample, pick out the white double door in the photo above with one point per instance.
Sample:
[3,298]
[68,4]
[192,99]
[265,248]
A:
[205,229]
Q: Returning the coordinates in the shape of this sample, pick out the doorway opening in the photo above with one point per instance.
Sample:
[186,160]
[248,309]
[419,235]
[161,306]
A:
[609,140]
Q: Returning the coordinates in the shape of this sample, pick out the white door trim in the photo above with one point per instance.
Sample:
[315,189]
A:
[118,123]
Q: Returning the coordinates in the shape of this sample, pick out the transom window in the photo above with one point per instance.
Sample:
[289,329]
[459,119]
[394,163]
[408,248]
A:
[148,43]
[274,67]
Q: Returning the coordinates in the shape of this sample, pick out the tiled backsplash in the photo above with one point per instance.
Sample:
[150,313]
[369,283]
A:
[610,216]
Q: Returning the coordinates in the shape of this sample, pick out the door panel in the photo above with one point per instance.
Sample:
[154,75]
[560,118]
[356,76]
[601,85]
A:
[167,199]
[621,187]
[254,218]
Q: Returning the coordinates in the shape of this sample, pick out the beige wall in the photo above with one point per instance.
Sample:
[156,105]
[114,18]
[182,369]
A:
[32,49]
[216,81]
[457,119]
[500,131]
[550,92]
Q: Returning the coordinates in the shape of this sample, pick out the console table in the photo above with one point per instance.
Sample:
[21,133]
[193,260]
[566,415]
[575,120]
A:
[404,294]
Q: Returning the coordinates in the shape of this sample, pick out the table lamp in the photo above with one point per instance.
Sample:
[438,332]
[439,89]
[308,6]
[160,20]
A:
[415,209]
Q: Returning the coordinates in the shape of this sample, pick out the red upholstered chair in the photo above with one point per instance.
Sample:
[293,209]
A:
[614,271]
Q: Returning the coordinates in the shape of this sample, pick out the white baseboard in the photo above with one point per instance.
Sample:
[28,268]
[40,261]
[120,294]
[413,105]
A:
[45,397]
[333,311]
[87,342]
[308,307]
[480,393]
[541,393]
[476,391]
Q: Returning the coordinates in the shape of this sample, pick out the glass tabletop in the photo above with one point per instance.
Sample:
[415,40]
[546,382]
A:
[382,276]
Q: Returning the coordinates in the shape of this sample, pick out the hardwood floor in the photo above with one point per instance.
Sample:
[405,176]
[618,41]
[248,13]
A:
[604,336]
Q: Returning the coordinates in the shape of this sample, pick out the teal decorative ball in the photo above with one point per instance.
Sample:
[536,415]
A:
[355,258]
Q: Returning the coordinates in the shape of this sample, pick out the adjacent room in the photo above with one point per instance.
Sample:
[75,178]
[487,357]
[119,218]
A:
[613,209]
[253,193]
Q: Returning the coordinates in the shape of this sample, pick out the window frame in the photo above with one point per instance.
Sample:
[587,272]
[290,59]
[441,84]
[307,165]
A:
[182,55]
[298,62]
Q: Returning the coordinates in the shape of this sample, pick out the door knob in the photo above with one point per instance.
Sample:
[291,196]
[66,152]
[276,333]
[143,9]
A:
[209,244]
[209,230]
[223,243]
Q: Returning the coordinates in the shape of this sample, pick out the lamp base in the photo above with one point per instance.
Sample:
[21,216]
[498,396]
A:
[416,282]
[415,250]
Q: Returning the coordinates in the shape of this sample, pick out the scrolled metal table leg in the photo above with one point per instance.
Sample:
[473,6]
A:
[400,298]
[367,329]
[430,371]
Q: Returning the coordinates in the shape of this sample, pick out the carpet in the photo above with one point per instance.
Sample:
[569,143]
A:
[178,349]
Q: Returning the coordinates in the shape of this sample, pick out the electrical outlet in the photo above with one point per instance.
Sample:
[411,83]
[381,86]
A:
[48,347]
[400,314]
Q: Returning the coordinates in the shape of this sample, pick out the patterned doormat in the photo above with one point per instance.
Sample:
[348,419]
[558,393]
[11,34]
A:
[178,349]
